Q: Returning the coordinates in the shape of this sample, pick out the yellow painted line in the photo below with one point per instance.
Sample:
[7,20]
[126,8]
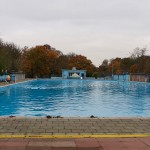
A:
[77,136]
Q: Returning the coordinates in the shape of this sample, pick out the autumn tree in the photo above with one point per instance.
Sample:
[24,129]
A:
[115,66]
[81,62]
[103,68]
[125,64]
[61,63]
[138,55]
[38,61]
[147,64]
[134,68]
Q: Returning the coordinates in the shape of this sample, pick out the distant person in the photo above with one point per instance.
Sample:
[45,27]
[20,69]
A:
[8,79]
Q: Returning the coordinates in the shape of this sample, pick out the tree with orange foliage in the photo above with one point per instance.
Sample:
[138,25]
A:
[134,68]
[38,61]
[81,62]
[147,65]
[115,66]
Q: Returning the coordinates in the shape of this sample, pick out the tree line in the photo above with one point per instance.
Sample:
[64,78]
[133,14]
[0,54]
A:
[46,61]
[10,57]
[137,62]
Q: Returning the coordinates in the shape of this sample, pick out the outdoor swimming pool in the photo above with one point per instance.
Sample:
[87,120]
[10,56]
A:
[76,98]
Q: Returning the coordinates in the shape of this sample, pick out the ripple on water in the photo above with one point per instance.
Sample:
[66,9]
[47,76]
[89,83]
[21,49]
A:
[76,98]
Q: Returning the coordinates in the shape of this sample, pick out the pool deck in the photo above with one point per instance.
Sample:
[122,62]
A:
[29,133]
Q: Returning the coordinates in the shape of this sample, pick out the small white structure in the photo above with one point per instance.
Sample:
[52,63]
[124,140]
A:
[18,76]
[73,74]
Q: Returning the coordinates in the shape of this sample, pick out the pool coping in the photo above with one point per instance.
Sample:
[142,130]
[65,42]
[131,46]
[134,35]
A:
[74,127]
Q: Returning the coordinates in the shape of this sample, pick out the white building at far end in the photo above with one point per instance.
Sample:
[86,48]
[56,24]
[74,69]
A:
[73,74]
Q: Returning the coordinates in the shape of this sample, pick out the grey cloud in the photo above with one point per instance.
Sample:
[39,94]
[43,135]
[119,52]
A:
[68,9]
[105,27]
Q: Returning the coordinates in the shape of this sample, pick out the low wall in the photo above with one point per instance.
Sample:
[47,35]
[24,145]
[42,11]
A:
[17,77]
[121,77]
[139,78]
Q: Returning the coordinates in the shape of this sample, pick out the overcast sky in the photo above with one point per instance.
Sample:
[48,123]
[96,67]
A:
[98,29]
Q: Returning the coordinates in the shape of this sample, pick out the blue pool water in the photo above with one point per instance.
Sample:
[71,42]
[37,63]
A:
[76,98]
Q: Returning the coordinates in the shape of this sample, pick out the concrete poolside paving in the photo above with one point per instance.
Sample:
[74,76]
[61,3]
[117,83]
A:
[73,126]
[36,133]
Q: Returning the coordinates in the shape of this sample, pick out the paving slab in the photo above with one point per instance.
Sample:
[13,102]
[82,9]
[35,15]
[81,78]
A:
[76,144]
[41,133]
[43,125]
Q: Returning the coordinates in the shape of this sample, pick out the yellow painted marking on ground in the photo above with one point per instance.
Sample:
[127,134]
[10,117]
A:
[77,136]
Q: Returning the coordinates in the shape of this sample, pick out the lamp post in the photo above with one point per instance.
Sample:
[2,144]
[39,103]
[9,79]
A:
[112,71]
